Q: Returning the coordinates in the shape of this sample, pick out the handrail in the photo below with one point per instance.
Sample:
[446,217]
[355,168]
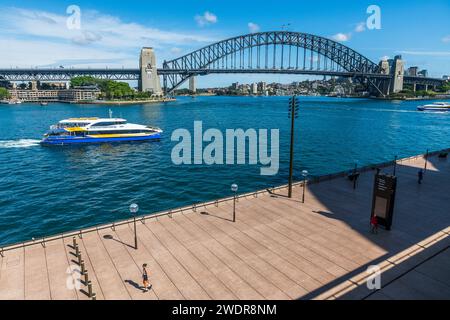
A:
[314,180]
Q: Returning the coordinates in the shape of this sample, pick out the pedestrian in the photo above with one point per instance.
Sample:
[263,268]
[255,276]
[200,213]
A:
[420,175]
[145,277]
[374,223]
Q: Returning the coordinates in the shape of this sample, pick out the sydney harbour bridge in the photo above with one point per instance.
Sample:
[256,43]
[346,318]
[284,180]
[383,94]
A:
[276,52]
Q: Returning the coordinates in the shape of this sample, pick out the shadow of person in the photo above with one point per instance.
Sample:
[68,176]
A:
[134,284]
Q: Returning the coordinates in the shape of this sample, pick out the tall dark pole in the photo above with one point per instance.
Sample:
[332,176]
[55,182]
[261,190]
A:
[135,233]
[355,176]
[293,108]
[426,162]
[304,187]
[234,208]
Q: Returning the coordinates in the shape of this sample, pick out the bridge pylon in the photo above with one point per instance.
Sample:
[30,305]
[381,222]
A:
[149,79]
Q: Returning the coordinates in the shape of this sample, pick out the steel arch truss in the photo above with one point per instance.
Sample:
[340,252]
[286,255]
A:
[274,52]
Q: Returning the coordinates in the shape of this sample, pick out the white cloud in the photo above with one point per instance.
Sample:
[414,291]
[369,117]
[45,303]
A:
[253,27]
[446,39]
[360,27]
[342,37]
[42,38]
[427,53]
[206,19]
[175,50]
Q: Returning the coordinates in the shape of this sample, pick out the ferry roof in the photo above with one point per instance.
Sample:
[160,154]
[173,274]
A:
[90,120]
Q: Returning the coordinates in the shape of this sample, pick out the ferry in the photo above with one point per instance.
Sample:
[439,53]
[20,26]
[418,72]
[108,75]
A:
[98,130]
[437,106]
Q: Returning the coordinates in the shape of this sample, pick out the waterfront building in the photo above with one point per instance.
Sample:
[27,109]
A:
[67,95]
[254,88]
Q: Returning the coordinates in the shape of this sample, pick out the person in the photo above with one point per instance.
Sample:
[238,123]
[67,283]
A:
[145,277]
[374,223]
[420,174]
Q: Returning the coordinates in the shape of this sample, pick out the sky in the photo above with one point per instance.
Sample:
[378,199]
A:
[111,33]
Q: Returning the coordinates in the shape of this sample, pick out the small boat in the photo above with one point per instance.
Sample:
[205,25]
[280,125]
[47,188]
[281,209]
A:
[437,106]
[44,104]
[98,130]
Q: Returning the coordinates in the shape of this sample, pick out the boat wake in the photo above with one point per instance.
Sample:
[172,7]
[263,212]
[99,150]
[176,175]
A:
[21,143]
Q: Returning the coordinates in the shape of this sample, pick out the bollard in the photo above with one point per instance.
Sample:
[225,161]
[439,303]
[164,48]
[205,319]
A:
[89,285]
[83,268]
[170,213]
[94,296]
[194,208]
[74,241]
[113,226]
[43,242]
[79,258]
[77,250]
[86,277]
[216,203]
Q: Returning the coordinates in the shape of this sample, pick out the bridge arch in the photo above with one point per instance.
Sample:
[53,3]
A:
[272,52]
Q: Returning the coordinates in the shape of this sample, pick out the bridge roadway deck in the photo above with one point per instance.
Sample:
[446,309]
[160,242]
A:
[279,248]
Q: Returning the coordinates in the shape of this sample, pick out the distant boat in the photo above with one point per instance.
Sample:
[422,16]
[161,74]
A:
[44,104]
[437,106]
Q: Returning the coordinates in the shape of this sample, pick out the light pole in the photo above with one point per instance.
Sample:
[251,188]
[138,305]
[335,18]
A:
[305,175]
[234,189]
[355,174]
[426,162]
[134,208]
[293,114]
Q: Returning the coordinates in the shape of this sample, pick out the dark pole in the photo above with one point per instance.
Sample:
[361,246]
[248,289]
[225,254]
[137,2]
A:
[293,107]
[234,207]
[304,187]
[395,166]
[135,233]
[426,162]
[354,176]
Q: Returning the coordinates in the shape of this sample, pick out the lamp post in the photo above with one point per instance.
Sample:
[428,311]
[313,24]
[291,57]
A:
[293,114]
[134,208]
[305,175]
[355,175]
[426,162]
[234,189]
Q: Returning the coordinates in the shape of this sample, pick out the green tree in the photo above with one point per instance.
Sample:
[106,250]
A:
[4,94]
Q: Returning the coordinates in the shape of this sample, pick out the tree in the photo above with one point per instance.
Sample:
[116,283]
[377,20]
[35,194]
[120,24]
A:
[4,94]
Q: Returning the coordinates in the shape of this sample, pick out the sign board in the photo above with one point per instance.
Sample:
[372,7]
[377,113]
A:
[384,199]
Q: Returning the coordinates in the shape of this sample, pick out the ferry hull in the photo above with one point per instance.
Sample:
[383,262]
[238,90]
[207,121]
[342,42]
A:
[54,141]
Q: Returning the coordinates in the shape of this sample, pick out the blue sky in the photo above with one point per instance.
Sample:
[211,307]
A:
[34,33]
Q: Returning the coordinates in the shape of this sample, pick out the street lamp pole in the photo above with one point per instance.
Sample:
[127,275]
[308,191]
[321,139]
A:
[234,189]
[293,114]
[134,208]
[305,175]
[426,162]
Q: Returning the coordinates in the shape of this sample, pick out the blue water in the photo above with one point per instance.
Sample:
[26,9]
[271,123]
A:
[45,191]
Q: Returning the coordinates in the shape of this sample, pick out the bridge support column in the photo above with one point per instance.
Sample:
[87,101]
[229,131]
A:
[149,79]
[397,73]
[414,87]
[192,85]
[426,87]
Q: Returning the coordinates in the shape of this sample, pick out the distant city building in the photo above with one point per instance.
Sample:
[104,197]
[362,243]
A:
[412,71]
[254,88]
[235,86]
[423,73]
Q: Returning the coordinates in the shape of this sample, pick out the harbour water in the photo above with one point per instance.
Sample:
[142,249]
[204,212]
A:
[44,191]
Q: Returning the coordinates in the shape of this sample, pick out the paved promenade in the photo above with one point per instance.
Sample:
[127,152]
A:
[279,248]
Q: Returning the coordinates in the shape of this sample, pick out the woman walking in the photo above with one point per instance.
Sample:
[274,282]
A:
[145,277]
